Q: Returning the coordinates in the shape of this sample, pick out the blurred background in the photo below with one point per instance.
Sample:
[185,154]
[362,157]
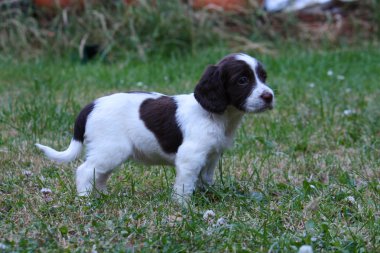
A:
[108,30]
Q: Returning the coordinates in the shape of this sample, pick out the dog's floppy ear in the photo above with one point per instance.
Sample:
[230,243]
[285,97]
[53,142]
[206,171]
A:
[210,92]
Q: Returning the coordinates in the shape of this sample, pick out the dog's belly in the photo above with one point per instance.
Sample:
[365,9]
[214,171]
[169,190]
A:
[151,157]
[145,146]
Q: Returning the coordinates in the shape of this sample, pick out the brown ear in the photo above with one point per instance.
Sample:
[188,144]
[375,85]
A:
[210,92]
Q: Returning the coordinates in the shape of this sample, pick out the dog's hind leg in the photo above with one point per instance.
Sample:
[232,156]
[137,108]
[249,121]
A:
[85,178]
[98,166]
[88,176]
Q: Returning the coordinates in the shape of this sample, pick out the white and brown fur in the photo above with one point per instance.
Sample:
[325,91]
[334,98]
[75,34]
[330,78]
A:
[189,131]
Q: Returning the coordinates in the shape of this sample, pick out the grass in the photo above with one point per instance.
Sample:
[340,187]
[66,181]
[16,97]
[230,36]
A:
[305,173]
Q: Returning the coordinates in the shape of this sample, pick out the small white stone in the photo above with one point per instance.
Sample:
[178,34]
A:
[209,214]
[93,250]
[221,222]
[348,112]
[3,246]
[311,85]
[330,72]
[46,191]
[27,173]
[305,249]
[340,77]
[351,199]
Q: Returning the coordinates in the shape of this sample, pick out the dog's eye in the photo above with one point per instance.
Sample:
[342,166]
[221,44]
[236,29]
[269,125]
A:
[243,80]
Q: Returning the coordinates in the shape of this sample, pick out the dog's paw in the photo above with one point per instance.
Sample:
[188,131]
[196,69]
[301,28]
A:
[182,199]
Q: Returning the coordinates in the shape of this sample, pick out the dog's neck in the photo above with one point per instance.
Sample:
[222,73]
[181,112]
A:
[233,118]
[230,119]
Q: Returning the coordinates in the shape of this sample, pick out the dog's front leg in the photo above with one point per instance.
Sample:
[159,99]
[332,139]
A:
[206,176]
[189,161]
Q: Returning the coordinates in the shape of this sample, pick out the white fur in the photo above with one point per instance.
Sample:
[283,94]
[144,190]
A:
[115,133]
[65,156]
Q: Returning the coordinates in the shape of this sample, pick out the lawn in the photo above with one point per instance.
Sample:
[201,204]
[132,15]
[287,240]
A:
[306,172]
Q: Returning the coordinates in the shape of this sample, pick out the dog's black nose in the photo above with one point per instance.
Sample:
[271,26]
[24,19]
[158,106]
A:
[267,97]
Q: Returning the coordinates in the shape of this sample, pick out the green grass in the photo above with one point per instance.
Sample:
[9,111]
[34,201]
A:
[304,173]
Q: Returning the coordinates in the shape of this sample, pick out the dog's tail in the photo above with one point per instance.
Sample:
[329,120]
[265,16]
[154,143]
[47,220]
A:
[76,143]
[66,156]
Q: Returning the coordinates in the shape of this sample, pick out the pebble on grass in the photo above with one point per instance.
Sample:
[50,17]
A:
[93,250]
[27,173]
[209,215]
[46,191]
[351,199]
[305,249]
[340,77]
[221,222]
[348,112]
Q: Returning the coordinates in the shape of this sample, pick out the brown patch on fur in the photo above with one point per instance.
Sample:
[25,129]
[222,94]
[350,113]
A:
[80,122]
[159,117]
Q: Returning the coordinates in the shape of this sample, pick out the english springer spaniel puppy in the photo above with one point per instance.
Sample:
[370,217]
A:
[189,131]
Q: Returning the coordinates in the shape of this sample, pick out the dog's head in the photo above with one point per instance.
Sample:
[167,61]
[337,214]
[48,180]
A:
[237,80]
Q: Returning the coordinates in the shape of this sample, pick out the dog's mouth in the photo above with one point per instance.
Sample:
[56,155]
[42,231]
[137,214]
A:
[261,109]
[270,107]
[265,108]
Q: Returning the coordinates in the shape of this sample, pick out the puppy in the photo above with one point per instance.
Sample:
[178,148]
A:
[189,131]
